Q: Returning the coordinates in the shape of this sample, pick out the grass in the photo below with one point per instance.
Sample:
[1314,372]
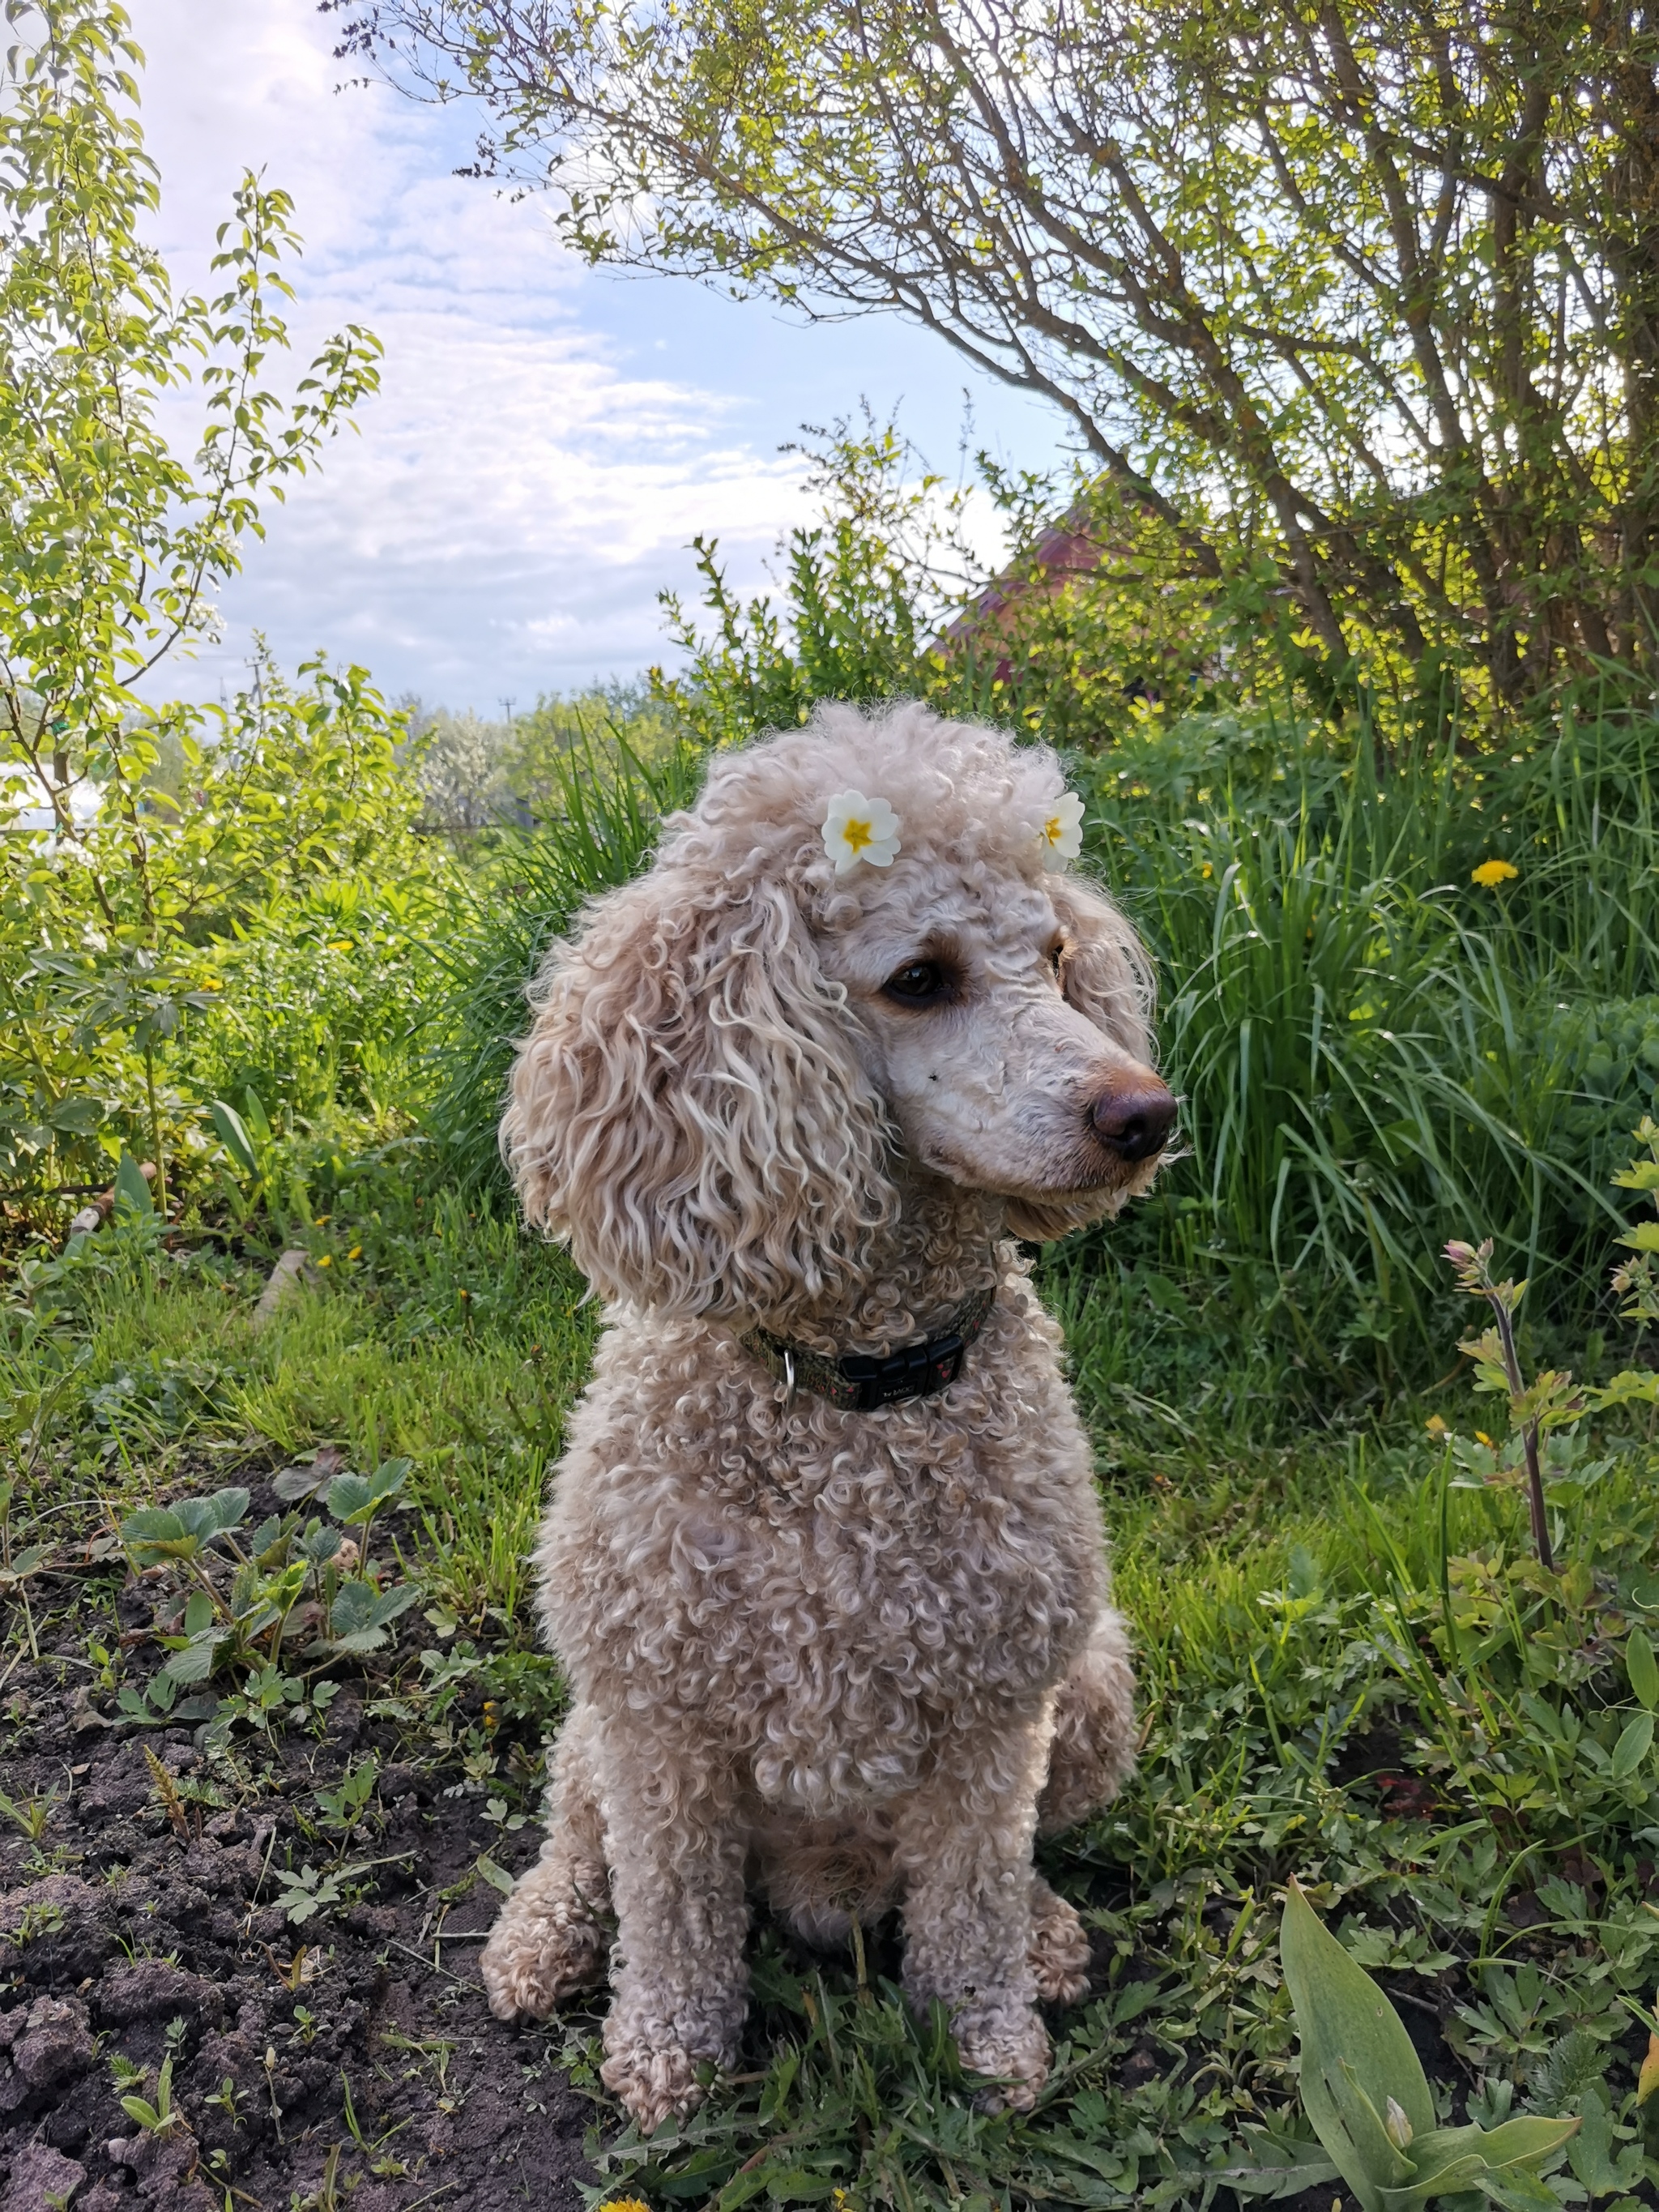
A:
[1350,1669]
[1374,1050]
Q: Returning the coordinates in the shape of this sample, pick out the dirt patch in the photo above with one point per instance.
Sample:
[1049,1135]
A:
[353,2052]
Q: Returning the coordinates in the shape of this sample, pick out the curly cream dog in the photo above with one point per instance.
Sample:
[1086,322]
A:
[851,1658]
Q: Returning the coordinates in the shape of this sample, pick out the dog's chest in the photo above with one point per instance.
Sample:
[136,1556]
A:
[830,1612]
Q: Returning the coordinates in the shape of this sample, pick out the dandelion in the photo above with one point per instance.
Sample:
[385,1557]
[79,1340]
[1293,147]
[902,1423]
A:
[323,1260]
[356,1253]
[860,829]
[1062,832]
[1490,873]
[1436,1426]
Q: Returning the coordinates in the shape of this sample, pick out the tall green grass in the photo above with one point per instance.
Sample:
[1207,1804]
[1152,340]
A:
[1375,1052]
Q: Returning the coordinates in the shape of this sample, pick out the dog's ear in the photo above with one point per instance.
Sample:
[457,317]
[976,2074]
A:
[1107,976]
[688,1112]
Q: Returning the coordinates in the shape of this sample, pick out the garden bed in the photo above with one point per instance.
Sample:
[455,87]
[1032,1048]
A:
[333,2039]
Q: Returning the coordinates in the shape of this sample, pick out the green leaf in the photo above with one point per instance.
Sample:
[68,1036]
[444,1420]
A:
[1496,2160]
[1277,2167]
[257,1120]
[497,1876]
[208,1517]
[1635,1742]
[156,1533]
[132,1191]
[356,1498]
[79,1117]
[194,1663]
[362,1614]
[349,1497]
[1591,2154]
[234,1136]
[1642,1668]
[1350,2033]
[319,1543]
[198,1613]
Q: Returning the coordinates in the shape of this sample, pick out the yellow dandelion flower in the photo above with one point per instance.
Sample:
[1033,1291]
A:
[1436,1426]
[356,1253]
[323,1260]
[625,2204]
[1480,1437]
[1490,873]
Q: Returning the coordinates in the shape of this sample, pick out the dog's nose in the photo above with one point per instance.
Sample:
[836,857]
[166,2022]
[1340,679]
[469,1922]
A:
[1134,1122]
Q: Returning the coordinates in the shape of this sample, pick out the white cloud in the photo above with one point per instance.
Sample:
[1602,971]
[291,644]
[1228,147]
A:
[517,494]
[546,441]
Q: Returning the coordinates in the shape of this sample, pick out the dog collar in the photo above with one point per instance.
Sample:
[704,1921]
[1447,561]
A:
[857,1382]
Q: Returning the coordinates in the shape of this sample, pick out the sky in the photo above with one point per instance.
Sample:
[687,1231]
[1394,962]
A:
[547,439]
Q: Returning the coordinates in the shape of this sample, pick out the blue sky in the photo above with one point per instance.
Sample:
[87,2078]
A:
[548,439]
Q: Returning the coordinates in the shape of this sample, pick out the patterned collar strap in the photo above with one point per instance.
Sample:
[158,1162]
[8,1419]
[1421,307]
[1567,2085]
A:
[859,1382]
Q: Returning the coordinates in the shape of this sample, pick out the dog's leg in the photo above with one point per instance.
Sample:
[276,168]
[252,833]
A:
[551,1939]
[1060,1949]
[965,1847]
[678,1851]
[1094,1745]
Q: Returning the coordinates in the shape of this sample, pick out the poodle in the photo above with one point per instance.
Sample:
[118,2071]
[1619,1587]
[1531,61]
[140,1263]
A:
[824,1562]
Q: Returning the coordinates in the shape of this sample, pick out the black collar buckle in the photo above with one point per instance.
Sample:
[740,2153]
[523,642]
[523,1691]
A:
[915,1371]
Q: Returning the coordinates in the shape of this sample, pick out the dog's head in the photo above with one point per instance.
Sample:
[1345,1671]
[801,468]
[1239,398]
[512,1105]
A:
[733,1055]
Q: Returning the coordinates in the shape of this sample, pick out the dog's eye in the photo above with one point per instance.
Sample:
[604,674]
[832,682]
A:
[918,982]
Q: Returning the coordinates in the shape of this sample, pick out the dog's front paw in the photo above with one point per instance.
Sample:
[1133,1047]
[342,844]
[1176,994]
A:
[1059,1953]
[655,2081]
[1009,2045]
[534,1960]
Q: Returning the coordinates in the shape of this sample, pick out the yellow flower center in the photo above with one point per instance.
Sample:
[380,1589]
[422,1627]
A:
[858,834]
[1051,829]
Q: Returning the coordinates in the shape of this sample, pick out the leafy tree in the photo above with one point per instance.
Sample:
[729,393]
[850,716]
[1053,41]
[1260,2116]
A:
[1357,300]
[1086,627]
[129,833]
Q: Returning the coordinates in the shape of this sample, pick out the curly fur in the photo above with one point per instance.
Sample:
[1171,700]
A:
[849,1660]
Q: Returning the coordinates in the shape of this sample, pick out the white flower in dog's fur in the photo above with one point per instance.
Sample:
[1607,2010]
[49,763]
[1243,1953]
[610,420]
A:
[1062,832]
[860,829]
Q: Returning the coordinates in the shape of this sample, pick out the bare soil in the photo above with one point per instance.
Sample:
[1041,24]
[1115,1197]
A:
[132,1927]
